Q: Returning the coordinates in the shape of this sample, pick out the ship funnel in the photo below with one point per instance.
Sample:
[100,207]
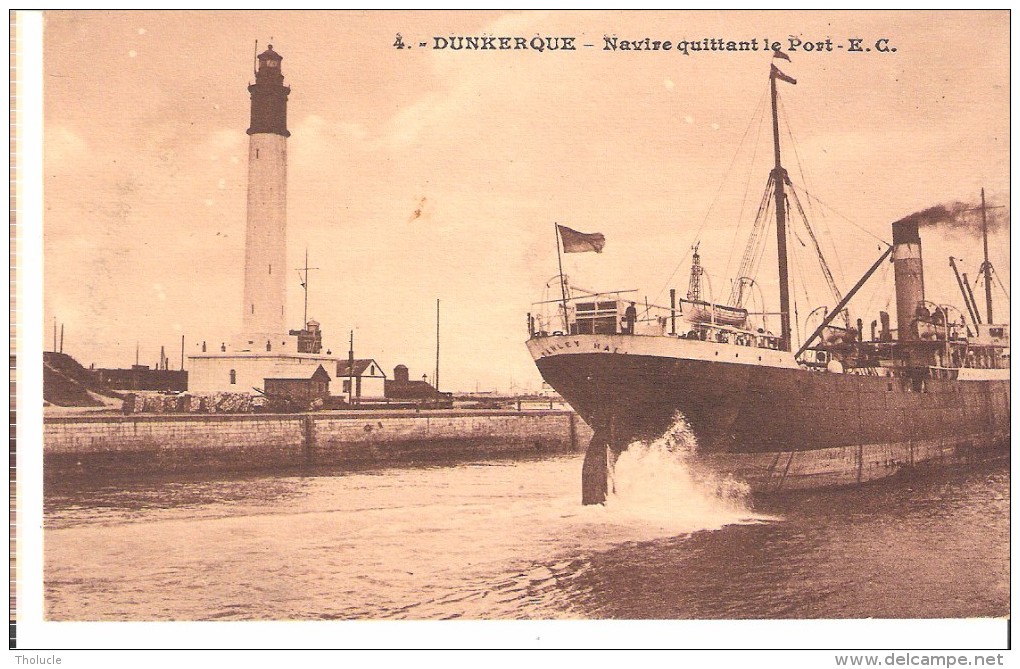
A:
[909,277]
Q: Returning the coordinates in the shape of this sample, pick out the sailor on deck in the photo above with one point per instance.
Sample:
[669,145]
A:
[629,318]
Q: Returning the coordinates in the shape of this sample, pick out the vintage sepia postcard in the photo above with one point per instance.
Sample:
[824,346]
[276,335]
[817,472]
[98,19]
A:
[602,329]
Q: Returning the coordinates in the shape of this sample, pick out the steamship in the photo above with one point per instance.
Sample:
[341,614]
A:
[840,409]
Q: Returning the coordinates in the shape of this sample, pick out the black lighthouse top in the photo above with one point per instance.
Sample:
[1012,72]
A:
[269,96]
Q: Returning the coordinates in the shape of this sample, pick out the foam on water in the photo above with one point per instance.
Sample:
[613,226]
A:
[502,540]
[660,483]
[478,540]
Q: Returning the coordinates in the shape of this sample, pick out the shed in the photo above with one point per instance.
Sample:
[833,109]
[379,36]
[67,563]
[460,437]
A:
[304,390]
[368,377]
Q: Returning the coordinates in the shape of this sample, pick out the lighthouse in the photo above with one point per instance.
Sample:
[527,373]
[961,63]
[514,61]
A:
[266,355]
[265,253]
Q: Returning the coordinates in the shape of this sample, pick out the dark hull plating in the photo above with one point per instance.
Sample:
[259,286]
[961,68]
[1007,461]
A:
[751,417]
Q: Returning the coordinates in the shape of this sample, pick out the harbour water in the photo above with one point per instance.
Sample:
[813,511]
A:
[510,540]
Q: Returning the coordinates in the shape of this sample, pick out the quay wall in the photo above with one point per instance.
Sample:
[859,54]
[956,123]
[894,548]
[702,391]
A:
[86,446]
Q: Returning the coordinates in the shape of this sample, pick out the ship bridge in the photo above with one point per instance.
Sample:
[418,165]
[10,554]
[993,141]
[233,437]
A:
[611,313]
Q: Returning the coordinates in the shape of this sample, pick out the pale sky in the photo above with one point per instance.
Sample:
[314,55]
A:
[145,175]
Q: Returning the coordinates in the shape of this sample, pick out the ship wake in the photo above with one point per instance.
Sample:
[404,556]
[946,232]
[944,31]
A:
[660,481]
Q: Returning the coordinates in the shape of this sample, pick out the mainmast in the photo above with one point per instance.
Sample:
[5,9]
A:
[987,266]
[779,179]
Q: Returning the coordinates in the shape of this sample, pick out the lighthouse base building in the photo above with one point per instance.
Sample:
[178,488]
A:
[247,372]
[265,349]
[238,369]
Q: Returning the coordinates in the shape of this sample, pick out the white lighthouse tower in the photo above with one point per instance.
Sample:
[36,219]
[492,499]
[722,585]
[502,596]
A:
[265,254]
[265,353]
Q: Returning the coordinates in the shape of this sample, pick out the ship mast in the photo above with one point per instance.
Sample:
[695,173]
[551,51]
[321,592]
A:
[779,179]
[987,266]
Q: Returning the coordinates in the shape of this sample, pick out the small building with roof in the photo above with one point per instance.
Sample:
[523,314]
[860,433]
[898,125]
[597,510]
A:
[403,389]
[301,389]
[366,381]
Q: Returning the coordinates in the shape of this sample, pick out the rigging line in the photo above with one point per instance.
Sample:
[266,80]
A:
[977,278]
[754,238]
[761,242]
[756,245]
[818,249]
[796,152]
[832,243]
[759,111]
[793,140]
[800,270]
[673,273]
[995,275]
[807,221]
[796,320]
[880,284]
[762,246]
[751,248]
[803,178]
[795,257]
[743,204]
[761,302]
[844,217]
[712,204]
[1003,260]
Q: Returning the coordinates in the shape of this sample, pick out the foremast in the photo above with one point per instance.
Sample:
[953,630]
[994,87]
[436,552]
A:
[779,177]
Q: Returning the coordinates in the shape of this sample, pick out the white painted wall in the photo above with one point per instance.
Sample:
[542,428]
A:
[265,251]
[210,372]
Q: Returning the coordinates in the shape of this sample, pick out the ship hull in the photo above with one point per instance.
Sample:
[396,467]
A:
[769,422]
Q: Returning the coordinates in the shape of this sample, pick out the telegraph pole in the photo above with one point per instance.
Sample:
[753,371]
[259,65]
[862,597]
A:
[350,371]
[435,379]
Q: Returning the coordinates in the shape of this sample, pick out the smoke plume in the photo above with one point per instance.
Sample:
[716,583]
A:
[960,217]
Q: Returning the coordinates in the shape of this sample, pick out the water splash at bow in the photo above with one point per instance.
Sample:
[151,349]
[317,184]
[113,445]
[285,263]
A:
[660,481]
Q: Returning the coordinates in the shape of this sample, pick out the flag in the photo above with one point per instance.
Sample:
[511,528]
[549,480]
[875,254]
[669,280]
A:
[776,53]
[779,75]
[580,242]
